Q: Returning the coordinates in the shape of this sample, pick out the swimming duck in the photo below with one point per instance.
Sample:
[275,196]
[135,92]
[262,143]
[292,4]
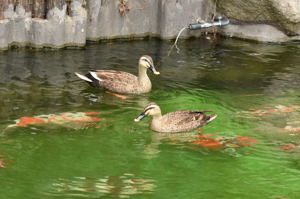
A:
[175,122]
[122,82]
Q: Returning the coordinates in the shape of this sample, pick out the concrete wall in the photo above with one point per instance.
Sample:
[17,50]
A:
[60,23]
[57,30]
[162,18]
[71,23]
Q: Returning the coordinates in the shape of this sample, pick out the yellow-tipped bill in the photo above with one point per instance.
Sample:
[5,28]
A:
[152,68]
[140,117]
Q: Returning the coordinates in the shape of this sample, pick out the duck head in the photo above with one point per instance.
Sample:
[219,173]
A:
[147,62]
[151,109]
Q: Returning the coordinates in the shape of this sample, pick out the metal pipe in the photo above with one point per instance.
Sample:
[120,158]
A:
[222,21]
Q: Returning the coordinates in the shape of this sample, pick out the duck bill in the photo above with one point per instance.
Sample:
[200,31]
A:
[152,68]
[140,117]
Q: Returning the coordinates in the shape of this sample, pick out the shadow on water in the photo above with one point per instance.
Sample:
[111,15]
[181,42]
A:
[254,89]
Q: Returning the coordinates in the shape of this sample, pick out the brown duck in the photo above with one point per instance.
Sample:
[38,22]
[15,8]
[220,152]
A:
[175,122]
[123,82]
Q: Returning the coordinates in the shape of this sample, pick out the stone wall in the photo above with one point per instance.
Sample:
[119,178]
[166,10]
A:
[59,23]
[52,24]
[163,18]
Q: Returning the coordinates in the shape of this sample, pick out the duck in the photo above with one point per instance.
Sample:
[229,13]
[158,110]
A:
[120,81]
[175,122]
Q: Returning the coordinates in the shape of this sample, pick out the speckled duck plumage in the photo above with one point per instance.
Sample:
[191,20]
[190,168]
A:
[122,82]
[175,122]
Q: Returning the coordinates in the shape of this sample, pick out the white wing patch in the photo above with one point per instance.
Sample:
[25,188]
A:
[212,118]
[95,76]
[83,77]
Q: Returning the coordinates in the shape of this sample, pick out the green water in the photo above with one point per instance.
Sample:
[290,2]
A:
[123,159]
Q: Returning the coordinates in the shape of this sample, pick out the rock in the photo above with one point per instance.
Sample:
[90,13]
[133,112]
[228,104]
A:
[258,32]
[284,16]
[288,15]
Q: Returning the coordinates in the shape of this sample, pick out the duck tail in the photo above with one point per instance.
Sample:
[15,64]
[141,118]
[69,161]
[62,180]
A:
[83,77]
[211,117]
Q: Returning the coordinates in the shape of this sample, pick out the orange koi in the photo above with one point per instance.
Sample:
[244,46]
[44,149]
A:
[92,113]
[116,95]
[208,142]
[24,121]
[2,164]
[288,147]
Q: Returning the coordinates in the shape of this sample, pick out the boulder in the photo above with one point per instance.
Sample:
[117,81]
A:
[268,20]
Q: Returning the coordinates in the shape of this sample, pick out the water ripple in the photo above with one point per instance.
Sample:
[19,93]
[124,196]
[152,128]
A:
[123,186]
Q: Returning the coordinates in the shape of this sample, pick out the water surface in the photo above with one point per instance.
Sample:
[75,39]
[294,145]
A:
[254,89]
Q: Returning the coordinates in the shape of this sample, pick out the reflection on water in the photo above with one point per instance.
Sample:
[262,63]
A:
[123,186]
[202,142]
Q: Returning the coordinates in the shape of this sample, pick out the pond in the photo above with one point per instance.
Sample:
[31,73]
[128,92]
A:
[254,88]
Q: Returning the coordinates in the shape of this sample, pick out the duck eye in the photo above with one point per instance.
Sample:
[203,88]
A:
[148,64]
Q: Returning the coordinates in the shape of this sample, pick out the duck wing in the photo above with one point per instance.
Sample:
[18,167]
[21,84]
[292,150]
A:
[116,81]
[186,120]
[114,75]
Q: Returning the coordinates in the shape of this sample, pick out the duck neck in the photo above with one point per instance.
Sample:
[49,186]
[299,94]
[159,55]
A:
[156,118]
[143,77]
[156,122]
